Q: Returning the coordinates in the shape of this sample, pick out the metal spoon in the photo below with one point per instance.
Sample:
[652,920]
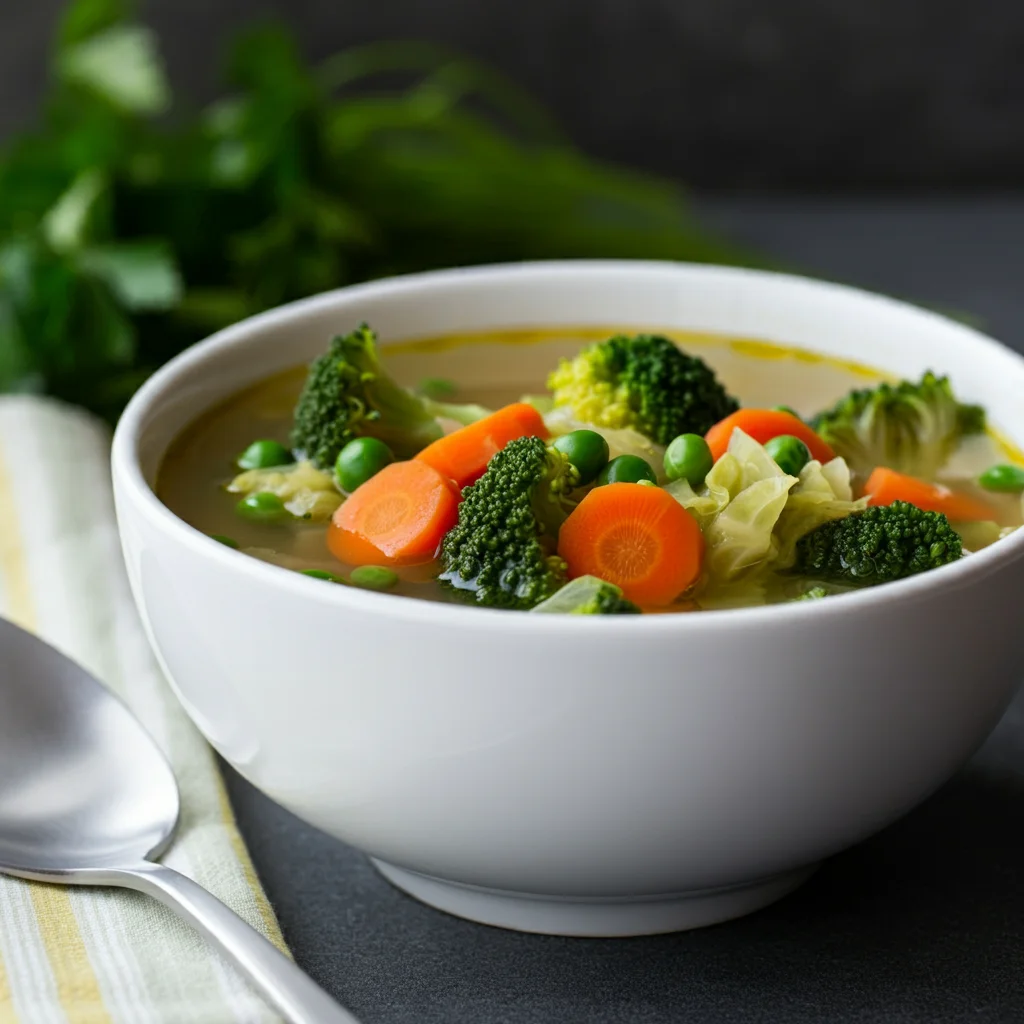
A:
[87,798]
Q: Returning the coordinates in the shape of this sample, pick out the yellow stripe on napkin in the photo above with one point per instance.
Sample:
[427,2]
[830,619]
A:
[266,911]
[7,1015]
[91,956]
[77,988]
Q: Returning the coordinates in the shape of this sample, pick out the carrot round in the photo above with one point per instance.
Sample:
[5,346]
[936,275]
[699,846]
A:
[397,517]
[885,486]
[463,455]
[762,425]
[639,538]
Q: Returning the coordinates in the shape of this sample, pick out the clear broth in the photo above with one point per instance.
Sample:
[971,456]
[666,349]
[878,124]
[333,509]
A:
[495,368]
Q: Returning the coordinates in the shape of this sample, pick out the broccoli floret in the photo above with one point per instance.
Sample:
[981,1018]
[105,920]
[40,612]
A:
[501,552]
[608,602]
[588,595]
[348,394]
[877,545]
[644,382]
[912,428]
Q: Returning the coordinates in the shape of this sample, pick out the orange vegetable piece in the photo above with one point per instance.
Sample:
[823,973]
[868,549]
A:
[463,455]
[397,517]
[639,538]
[762,425]
[885,486]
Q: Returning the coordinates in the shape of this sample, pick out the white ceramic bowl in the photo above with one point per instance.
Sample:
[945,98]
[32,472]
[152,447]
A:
[572,775]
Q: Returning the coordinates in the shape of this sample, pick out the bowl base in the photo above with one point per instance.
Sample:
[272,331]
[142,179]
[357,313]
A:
[610,917]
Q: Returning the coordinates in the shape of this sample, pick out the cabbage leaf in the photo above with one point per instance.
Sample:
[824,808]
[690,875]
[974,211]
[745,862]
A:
[823,492]
[307,492]
[752,515]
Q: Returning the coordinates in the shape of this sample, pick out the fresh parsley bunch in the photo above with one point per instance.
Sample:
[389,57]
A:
[129,230]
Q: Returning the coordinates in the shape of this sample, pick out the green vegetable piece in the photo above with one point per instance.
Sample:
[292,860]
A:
[910,427]
[644,382]
[262,507]
[501,552]
[373,577]
[264,455]
[627,469]
[813,594]
[879,544]
[359,460]
[789,452]
[437,388]
[1009,479]
[587,450]
[588,595]
[247,195]
[348,393]
[322,574]
[688,457]
[789,409]
[228,542]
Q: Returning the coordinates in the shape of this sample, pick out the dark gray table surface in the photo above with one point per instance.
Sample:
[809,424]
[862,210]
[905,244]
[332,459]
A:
[923,923]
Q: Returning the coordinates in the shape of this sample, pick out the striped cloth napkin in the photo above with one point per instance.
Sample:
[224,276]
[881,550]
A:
[104,956]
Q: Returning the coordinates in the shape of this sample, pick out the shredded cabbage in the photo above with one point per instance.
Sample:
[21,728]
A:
[752,514]
[822,493]
[738,507]
[307,492]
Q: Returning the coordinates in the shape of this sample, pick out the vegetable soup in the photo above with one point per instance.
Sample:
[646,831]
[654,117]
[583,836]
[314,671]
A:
[586,471]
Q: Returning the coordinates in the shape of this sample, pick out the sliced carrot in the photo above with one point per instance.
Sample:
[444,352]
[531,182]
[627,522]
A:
[639,538]
[762,425]
[397,517]
[463,455]
[885,486]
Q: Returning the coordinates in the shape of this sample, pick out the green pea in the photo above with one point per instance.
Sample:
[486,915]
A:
[373,577]
[790,453]
[627,469]
[587,450]
[226,541]
[689,457]
[359,460]
[786,408]
[262,507]
[322,574]
[263,455]
[1003,478]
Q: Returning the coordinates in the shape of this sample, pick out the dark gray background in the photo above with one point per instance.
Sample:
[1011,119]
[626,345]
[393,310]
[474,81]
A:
[720,93]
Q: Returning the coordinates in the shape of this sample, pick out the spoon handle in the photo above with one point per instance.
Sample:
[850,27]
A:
[281,982]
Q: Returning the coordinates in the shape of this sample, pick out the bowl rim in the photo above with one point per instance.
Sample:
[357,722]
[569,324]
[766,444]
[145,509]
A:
[129,477]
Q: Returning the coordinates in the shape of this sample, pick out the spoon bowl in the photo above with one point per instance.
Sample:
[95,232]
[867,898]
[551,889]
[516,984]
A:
[83,784]
[87,798]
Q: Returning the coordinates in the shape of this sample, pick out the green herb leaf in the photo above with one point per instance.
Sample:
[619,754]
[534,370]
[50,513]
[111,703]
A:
[85,18]
[122,65]
[124,239]
[66,223]
[142,275]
